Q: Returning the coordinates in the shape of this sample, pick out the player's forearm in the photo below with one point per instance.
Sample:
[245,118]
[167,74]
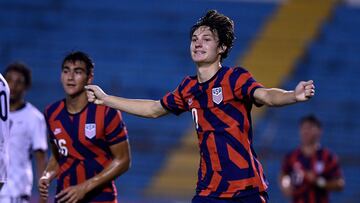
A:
[337,184]
[51,169]
[115,169]
[138,107]
[40,158]
[274,97]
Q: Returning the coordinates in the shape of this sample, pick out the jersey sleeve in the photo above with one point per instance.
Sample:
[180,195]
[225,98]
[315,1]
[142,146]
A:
[173,102]
[50,134]
[245,85]
[286,165]
[115,129]
[38,130]
[332,168]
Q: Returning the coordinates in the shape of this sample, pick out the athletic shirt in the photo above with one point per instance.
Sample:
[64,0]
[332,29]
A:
[28,134]
[4,126]
[322,163]
[83,141]
[220,108]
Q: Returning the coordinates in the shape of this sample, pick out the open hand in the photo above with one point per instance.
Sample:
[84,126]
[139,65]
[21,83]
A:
[72,194]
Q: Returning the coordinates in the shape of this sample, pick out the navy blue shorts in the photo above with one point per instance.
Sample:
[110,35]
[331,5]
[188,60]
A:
[257,198]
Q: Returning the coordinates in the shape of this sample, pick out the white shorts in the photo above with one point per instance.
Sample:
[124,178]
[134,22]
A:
[21,199]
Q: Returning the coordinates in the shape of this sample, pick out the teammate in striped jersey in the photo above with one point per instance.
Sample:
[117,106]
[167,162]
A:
[311,171]
[220,100]
[89,141]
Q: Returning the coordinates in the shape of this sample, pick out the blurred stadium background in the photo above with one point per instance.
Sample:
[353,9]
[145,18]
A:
[141,50]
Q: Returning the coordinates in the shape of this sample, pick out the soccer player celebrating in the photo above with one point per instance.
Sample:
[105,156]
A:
[310,172]
[27,139]
[220,99]
[89,141]
[4,128]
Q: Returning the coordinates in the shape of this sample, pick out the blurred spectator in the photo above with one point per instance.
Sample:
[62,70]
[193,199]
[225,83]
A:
[310,172]
[27,137]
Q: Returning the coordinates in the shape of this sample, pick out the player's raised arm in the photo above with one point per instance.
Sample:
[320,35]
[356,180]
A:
[140,107]
[279,97]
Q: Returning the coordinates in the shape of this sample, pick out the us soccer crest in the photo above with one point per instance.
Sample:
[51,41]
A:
[90,130]
[217,95]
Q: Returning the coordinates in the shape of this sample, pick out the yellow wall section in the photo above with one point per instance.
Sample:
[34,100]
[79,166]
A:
[270,59]
[284,39]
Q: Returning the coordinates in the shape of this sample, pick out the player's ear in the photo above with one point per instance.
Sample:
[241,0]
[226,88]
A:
[222,49]
[90,77]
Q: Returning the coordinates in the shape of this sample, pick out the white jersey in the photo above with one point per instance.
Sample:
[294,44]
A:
[28,134]
[4,126]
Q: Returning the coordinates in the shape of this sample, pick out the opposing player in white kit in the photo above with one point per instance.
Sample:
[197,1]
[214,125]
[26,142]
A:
[27,137]
[4,128]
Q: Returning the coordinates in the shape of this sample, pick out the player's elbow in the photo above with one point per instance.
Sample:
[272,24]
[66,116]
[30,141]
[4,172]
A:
[123,165]
[127,165]
[340,184]
[156,110]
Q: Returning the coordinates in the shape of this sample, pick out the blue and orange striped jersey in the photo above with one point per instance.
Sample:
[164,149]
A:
[322,163]
[83,141]
[221,109]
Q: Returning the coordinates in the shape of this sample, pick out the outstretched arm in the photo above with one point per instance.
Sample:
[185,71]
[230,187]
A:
[119,165]
[138,107]
[279,97]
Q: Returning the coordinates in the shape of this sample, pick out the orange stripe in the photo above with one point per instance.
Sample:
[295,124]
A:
[69,143]
[244,112]
[235,157]
[115,122]
[239,136]
[203,168]
[80,173]
[100,154]
[252,86]
[312,197]
[66,182]
[215,162]
[261,184]
[214,184]
[227,92]
[205,125]
[64,167]
[99,120]
[57,111]
[240,82]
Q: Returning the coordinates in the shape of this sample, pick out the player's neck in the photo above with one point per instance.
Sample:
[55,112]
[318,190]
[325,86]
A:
[15,105]
[206,71]
[310,149]
[76,103]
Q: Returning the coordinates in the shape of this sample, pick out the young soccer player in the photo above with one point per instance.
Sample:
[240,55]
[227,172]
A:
[220,99]
[311,171]
[27,139]
[4,128]
[89,141]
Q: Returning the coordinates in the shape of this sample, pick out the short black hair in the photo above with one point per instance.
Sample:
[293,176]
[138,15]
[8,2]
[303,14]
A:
[80,56]
[223,26]
[21,68]
[312,119]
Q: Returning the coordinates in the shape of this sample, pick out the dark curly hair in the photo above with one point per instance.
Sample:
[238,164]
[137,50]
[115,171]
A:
[22,69]
[80,56]
[312,119]
[222,25]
